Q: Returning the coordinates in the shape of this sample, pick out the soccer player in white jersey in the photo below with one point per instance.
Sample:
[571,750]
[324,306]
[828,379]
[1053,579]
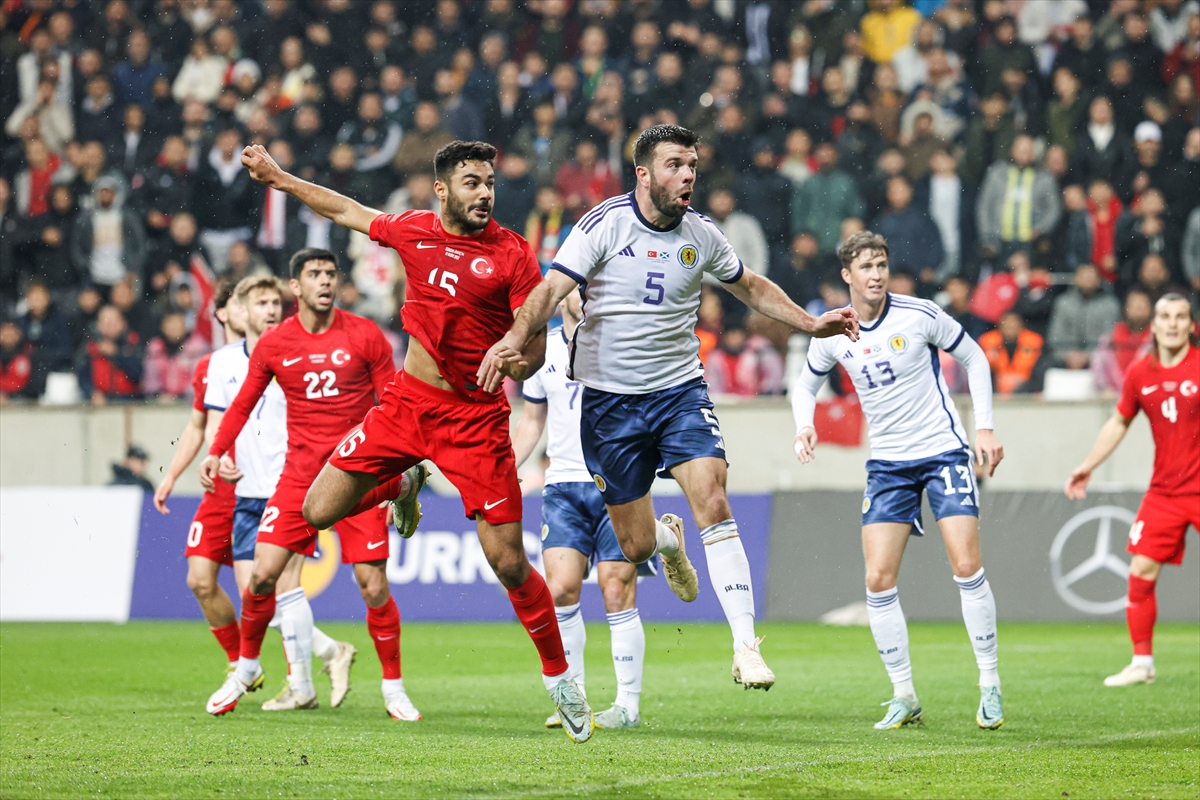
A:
[918,444]
[260,451]
[639,260]
[576,528]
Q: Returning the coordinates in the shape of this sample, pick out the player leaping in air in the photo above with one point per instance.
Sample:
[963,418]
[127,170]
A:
[1165,384]
[331,365]
[918,445]
[639,259]
[466,274]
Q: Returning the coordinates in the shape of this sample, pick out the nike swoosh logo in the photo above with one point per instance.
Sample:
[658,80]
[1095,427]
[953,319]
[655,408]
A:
[490,506]
[383,638]
[373,545]
[567,721]
[1149,389]
[288,363]
[535,630]
[423,246]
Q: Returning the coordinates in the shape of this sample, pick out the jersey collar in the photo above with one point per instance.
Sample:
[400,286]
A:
[887,304]
[650,224]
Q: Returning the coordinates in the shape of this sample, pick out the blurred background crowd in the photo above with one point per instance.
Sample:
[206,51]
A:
[1035,166]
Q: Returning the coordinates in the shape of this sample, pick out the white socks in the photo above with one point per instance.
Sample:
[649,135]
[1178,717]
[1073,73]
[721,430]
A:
[729,571]
[629,656]
[1144,661]
[574,638]
[891,639]
[247,669]
[665,541]
[392,687]
[295,618]
[979,613]
[324,646]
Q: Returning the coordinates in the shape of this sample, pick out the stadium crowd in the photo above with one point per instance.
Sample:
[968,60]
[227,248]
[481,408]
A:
[1035,166]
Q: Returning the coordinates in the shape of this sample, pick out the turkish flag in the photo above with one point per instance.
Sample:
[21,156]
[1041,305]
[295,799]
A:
[839,421]
[205,283]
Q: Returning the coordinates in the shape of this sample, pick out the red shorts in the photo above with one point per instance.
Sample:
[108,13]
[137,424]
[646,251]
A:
[1160,529]
[364,537]
[469,442]
[211,533]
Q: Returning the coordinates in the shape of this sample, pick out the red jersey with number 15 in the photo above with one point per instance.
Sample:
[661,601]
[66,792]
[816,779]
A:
[330,380]
[1171,400]
[462,291]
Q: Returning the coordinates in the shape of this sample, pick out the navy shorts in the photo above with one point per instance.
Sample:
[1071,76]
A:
[894,489]
[628,439]
[246,516]
[574,516]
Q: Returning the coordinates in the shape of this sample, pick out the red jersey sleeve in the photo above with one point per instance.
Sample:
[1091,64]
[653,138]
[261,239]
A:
[526,273]
[258,377]
[385,229]
[1130,400]
[200,382]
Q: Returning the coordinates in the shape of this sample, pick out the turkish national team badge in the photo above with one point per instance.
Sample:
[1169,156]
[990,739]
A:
[688,256]
[898,343]
[482,267]
[600,484]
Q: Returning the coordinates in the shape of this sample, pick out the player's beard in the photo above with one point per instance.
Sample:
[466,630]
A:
[661,197]
[458,214]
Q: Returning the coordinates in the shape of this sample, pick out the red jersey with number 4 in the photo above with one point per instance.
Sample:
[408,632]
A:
[330,380]
[1171,400]
[224,491]
[462,291]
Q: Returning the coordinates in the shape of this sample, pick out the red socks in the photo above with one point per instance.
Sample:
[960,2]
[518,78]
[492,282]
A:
[230,639]
[383,623]
[535,609]
[257,611]
[383,493]
[1141,610]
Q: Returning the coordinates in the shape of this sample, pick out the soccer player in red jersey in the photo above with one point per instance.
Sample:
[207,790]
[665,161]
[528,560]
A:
[1166,386]
[466,276]
[210,536]
[331,365]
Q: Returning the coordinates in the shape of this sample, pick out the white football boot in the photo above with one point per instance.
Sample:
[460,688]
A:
[399,707]
[749,669]
[1133,673]
[226,698]
[617,717]
[573,710]
[554,720]
[290,700]
[680,574]
[406,509]
[338,670]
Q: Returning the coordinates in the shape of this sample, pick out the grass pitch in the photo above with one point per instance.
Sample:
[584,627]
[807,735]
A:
[105,710]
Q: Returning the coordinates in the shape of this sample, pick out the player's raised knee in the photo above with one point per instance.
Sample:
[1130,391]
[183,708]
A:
[316,512]
[637,552]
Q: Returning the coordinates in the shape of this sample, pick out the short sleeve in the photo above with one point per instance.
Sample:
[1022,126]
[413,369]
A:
[199,387]
[945,331]
[724,265]
[820,356]
[533,389]
[214,391]
[581,253]
[1131,399]
[526,273]
[385,229]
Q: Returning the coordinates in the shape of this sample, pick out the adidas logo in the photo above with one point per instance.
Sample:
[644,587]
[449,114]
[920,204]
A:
[967,501]
[848,354]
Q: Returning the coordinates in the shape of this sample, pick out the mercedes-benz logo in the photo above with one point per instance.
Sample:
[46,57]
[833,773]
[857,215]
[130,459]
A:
[1102,558]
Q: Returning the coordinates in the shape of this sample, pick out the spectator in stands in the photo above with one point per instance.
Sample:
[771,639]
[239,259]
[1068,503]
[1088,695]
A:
[1129,340]
[1017,203]
[1154,277]
[950,203]
[1015,355]
[46,331]
[110,364]
[989,137]
[998,292]
[109,241]
[134,77]
[1143,230]
[743,231]
[16,367]
[766,195]
[171,256]
[98,117]
[461,116]
[45,244]
[170,360]
[53,117]
[586,181]
[82,320]
[1126,96]
[139,315]
[1082,314]
[542,143]
[1035,300]
[90,166]
[710,321]
[1184,57]
[1146,168]
[1071,240]
[224,197]
[132,471]
[1191,250]
[1082,54]
[887,29]
[506,109]
[32,185]
[800,277]
[1104,209]
[166,187]
[821,203]
[1101,150]
[797,164]
[913,238]
[860,143]
[515,191]
[136,148]
[744,364]
[958,293]
[1065,111]
[419,145]
[547,225]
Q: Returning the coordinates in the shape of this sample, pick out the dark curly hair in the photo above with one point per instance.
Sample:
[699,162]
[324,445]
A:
[446,160]
[643,149]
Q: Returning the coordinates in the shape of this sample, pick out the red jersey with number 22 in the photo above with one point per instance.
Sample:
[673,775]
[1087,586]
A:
[330,380]
[462,291]
[1171,400]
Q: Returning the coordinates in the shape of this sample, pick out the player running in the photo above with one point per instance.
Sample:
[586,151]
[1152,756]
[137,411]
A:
[466,274]
[576,528]
[330,365]
[918,444]
[261,448]
[1165,385]
[639,258]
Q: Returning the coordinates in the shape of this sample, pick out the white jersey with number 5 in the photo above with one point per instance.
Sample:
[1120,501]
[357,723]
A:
[641,290]
[262,445]
[895,369]
[563,398]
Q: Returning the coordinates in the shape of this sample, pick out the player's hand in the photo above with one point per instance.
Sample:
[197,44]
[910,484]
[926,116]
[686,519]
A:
[162,493]
[988,451]
[839,321]
[805,445]
[261,166]
[229,471]
[210,470]
[1076,487]
[504,353]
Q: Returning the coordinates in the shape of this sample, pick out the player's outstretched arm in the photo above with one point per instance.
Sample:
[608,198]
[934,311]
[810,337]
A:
[341,209]
[765,297]
[531,318]
[804,407]
[528,431]
[190,442]
[1110,436]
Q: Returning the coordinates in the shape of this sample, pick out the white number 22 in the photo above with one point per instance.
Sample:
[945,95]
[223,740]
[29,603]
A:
[314,391]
